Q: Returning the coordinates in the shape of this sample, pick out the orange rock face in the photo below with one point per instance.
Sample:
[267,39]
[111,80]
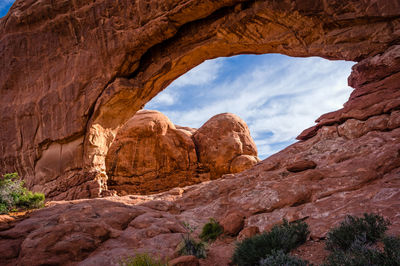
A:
[151,155]
[224,145]
[70,80]
[73,72]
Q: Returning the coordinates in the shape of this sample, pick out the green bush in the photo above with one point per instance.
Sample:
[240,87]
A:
[362,253]
[211,230]
[279,258]
[285,237]
[189,246]
[371,226]
[391,250]
[142,259]
[13,195]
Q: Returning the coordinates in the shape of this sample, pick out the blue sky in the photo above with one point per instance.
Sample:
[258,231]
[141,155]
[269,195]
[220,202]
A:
[5,6]
[276,95]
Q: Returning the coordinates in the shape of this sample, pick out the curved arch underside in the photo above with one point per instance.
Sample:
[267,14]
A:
[74,71]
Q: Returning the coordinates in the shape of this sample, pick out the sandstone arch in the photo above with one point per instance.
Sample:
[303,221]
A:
[74,71]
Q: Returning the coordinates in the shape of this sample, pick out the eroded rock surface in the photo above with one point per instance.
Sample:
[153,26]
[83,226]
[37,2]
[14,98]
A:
[151,155]
[224,145]
[120,54]
[352,176]
[73,72]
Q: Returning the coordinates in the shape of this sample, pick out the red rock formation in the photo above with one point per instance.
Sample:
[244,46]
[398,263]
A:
[150,154]
[224,145]
[74,72]
[352,176]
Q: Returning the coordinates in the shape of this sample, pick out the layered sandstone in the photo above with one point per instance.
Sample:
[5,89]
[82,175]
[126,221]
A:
[73,72]
[103,60]
[352,175]
[150,154]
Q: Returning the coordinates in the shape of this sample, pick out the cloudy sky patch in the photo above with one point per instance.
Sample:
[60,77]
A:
[5,6]
[278,96]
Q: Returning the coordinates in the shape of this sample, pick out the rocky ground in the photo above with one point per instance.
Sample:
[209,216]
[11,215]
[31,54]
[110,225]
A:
[320,180]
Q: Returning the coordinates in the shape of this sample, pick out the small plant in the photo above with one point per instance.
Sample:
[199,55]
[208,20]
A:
[391,250]
[362,253]
[371,226]
[279,258]
[211,230]
[353,243]
[285,237]
[13,195]
[189,246]
[142,259]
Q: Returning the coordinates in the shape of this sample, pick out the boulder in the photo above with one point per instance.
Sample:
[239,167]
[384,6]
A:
[232,223]
[247,233]
[221,140]
[150,155]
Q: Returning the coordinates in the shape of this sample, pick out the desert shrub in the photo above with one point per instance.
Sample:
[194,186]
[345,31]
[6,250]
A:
[371,226]
[142,259]
[279,258]
[13,195]
[391,250]
[189,246]
[285,237]
[362,253]
[211,230]
[29,200]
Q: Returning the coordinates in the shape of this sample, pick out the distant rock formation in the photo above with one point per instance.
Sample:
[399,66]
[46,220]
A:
[150,154]
[224,145]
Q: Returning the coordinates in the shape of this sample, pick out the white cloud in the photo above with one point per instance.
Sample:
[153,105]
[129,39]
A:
[200,75]
[281,98]
[164,98]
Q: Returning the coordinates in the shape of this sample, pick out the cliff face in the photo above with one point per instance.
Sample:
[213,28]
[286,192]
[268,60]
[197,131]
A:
[75,71]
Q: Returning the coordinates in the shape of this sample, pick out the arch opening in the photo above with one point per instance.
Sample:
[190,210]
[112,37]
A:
[276,95]
[121,61]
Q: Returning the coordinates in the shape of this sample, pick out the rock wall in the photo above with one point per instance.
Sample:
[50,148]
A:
[150,154]
[73,72]
[342,170]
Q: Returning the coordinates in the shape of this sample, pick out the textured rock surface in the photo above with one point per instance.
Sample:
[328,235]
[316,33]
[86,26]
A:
[150,154]
[120,54]
[352,176]
[232,223]
[58,122]
[184,261]
[224,143]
